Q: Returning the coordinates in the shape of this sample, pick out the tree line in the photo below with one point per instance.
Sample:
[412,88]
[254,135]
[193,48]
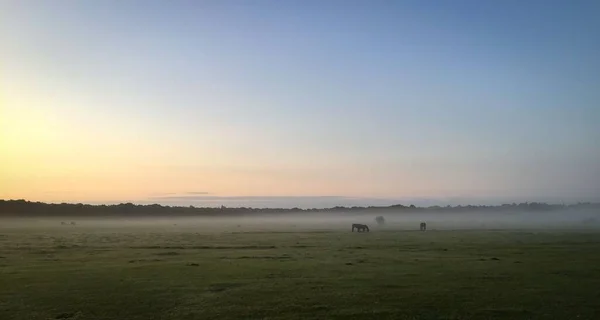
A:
[29,208]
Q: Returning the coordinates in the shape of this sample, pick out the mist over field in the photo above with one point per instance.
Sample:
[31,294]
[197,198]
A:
[143,262]
[290,222]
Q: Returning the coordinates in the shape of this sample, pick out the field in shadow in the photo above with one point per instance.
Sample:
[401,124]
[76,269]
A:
[299,275]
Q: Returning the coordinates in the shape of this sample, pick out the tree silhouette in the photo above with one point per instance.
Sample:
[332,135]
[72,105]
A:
[22,208]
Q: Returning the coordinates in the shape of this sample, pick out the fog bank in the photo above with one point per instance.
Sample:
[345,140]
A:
[571,219]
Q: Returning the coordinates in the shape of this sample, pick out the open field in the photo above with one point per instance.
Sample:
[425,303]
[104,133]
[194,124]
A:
[74,272]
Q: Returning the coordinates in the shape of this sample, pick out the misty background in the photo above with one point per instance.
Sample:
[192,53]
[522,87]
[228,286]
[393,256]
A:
[84,217]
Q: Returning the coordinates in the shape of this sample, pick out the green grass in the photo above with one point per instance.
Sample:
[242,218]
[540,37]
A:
[139,274]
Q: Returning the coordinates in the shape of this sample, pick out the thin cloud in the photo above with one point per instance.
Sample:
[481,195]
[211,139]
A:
[175,195]
[305,202]
[162,194]
[205,197]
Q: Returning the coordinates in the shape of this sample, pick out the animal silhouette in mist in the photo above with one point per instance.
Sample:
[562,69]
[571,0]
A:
[360,227]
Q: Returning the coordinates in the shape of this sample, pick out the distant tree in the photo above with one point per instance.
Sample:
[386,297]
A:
[22,208]
[380,220]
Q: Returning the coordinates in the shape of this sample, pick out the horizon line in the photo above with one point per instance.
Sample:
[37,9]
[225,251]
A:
[303,209]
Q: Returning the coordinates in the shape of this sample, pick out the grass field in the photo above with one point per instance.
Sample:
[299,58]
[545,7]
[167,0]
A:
[78,273]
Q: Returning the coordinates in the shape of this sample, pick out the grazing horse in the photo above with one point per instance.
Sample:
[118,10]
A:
[360,227]
[423,226]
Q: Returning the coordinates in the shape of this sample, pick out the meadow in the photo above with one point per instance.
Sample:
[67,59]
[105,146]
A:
[172,272]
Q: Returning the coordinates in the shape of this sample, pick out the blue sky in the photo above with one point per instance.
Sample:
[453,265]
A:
[396,100]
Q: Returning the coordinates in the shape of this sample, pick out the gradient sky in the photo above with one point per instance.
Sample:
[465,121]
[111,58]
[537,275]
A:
[299,103]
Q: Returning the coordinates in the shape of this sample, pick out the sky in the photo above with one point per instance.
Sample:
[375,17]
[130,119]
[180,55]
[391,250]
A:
[300,103]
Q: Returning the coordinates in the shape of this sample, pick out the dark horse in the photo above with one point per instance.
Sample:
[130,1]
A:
[423,226]
[360,227]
